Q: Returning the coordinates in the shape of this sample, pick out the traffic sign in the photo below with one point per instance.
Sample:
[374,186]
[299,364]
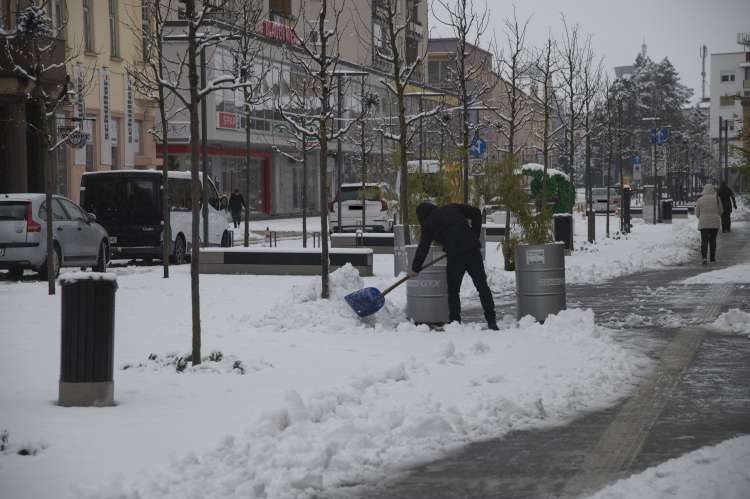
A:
[478,147]
[659,135]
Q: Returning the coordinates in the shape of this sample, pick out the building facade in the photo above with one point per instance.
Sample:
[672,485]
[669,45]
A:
[730,82]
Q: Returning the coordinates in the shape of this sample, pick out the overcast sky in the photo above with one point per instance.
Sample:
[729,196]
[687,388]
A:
[671,28]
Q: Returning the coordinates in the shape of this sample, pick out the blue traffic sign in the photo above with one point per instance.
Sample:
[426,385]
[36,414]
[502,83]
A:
[478,147]
[659,136]
[636,159]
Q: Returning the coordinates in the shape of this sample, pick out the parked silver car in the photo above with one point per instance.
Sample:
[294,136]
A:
[79,240]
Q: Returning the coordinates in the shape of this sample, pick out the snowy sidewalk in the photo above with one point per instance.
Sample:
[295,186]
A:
[667,315]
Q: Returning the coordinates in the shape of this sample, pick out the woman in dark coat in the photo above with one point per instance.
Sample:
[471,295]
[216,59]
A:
[727,200]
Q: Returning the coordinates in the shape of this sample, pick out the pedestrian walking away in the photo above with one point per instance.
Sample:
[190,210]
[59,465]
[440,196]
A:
[708,211]
[457,227]
[236,203]
[726,195]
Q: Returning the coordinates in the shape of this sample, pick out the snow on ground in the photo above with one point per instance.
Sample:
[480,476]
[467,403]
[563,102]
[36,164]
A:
[739,274]
[298,393]
[734,321]
[721,471]
[324,398]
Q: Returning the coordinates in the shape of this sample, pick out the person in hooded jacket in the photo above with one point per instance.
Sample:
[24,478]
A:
[449,226]
[708,211]
[236,203]
[727,200]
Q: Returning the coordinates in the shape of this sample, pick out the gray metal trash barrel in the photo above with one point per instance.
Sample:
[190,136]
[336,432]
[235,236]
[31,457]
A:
[540,280]
[87,339]
[427,294]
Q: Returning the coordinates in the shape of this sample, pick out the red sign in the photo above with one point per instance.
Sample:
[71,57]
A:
[279,32]
[227,120]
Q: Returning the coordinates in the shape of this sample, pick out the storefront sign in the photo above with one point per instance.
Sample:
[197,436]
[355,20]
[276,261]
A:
[129,139]
[79,110]
[227,120]
[279,32]
[105,152]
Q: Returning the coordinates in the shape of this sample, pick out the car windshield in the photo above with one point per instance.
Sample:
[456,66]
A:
[123,199]
[13,210]
[355,194]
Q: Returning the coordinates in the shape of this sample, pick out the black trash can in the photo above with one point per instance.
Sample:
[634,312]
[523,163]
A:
[87,339]
[626,214]
[563,229]
[666,211]
[227,239]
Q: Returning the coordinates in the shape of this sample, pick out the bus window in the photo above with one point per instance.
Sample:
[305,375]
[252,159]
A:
[180,197]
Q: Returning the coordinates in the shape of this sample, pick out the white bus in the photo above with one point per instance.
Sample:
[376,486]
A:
[128,203]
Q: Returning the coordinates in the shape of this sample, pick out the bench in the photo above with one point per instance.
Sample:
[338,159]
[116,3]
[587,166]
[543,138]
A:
[494,232]
[379,243]
[680,212]
[281,261]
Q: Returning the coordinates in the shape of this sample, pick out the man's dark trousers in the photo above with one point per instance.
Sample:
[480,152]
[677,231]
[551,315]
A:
[458,265]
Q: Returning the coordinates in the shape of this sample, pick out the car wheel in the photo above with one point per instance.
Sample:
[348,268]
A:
[178,257]
[102,258]
[15,274]
[55,265]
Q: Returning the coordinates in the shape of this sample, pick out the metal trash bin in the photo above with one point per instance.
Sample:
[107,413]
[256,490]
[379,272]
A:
[563,230]
[227,239]
[540,280]
[427,294]
[666,211]
[87,339]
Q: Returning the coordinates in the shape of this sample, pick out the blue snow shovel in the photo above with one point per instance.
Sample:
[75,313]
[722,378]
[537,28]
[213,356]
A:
[367,301]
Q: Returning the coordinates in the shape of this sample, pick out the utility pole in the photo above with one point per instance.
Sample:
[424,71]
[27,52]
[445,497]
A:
[339,166]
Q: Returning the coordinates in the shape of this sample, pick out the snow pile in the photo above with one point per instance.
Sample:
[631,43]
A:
[734,274]
[72,277]
[719,471]
[552,172]
[414,408]
[734,321]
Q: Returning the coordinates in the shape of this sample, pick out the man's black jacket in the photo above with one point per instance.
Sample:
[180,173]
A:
[448,226]
[236,202]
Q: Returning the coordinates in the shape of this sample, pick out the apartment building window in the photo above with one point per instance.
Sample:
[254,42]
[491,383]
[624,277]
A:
[88,26]
[114,28]
[282,8]
[137,137]
[727,76]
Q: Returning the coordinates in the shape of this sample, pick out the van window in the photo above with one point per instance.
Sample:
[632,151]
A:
[179,195]
[122,198]
[355,194]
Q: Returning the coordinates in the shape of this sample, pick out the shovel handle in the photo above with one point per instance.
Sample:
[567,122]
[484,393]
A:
[406,278]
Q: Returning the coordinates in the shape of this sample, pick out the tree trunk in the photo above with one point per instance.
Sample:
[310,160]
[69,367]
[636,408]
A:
[248,117]
[49,186]
[194,182]
[165,211]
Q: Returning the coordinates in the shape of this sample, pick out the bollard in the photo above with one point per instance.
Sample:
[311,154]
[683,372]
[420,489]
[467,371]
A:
[87,339]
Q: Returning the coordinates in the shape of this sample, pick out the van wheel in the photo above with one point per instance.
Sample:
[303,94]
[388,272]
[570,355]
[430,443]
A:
[55,265]
[178,256]
[102,258]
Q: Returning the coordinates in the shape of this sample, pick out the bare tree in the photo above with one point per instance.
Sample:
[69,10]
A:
[35,55]
[149,79]
[546,66]
[470,76]
[400,74]
[591,76]
[319,59]
[252,71]
[514,66]
[201,33]
[570,51]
